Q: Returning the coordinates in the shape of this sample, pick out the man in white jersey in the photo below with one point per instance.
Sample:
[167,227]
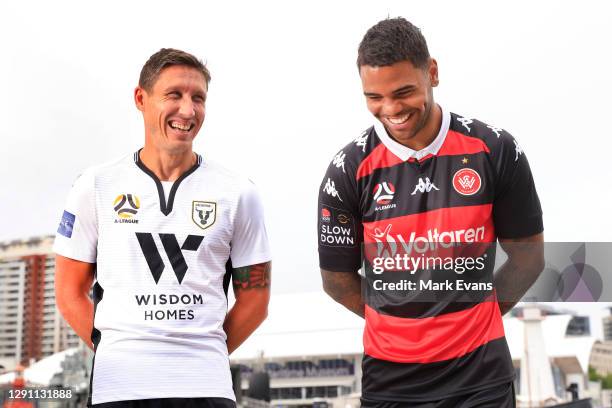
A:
[161,232]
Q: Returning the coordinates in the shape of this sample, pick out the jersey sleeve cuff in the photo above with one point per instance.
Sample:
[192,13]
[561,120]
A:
[339,265]
[525,228]
[252,259]
[73,253]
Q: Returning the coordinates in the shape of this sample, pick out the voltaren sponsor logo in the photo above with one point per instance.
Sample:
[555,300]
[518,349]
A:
[429,241]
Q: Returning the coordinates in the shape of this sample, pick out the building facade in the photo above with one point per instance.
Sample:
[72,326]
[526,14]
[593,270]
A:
[31,327]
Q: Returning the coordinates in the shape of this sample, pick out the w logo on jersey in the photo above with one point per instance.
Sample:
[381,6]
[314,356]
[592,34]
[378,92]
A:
[424,186]
[173,251]
[383,193]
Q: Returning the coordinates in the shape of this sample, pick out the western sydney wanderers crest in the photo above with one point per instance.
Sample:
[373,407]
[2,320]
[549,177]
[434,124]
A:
[204,213]
[466,182]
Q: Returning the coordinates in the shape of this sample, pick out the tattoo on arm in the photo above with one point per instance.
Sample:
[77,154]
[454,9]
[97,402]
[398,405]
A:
[252,276]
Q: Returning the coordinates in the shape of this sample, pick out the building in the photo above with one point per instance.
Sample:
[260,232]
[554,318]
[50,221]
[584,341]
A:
[31,327]
[601,357]
[607,326]
[312,349]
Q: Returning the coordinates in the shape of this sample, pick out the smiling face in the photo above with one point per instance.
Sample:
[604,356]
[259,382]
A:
[401,97]
[174,108]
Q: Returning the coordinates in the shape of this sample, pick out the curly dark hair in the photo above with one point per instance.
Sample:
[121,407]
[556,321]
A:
[393,40]
[163,59]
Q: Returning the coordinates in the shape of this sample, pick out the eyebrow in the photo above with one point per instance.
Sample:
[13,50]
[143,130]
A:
[404,88]
[395,91]
[172,89]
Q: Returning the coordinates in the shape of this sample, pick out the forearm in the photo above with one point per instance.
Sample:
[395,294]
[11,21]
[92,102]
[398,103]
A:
[508,292]
[344,288]
[352,301]
[78,313]
[73,280]
[519,272]
[252,290]
[241,321]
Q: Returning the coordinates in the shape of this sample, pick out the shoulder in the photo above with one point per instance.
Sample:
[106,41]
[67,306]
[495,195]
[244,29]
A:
[493,138]
[88,177]
[227,181]
[213,169]
[354,152]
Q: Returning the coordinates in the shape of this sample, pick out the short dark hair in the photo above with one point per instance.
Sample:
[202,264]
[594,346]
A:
[393,40]
[165,58]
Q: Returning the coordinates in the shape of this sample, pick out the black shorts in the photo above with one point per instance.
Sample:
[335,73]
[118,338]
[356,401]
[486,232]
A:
[170,403]
[501,396]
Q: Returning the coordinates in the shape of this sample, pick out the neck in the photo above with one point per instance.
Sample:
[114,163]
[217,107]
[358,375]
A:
[167,166]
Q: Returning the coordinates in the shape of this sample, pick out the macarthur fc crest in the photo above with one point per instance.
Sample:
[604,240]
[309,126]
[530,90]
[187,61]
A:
[204,213]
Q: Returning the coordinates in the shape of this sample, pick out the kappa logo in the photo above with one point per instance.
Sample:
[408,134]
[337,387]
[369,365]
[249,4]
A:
[383,193]
[424,186]
[338,160]
[467,182]
[126,206]
[204,213]
[361,140]
[173,251]
[496,130]
[518,150]
[330,188]
[465,122]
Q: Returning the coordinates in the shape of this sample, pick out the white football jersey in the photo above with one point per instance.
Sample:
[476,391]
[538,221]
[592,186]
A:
[164,252]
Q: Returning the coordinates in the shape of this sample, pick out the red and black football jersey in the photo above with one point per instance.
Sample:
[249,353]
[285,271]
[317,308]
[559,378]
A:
[472,184]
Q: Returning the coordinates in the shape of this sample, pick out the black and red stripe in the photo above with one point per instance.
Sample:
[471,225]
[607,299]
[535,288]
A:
[417,349]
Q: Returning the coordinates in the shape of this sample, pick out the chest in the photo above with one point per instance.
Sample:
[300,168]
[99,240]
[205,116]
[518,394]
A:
[448,196]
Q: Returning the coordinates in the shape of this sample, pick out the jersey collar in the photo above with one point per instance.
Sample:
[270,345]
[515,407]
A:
[406,153]
[165,206]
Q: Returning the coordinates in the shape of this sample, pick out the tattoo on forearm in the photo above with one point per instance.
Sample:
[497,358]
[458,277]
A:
[252,276]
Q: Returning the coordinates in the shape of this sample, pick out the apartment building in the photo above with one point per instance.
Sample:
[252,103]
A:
[30,324]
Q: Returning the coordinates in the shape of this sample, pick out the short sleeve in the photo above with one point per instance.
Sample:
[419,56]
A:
[339,232]
[249,245]
[77,233]
[517,212]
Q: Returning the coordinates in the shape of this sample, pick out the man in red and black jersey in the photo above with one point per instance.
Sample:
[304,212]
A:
[425,176]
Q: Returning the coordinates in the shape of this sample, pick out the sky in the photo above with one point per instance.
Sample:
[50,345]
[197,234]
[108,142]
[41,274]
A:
[285,96]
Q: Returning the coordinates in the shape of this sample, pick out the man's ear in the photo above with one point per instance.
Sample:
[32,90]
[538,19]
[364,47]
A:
[433,72]
[139,95]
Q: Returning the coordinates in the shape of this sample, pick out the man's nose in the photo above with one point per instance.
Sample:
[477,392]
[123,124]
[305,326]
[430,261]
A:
[187,108]
[391,107]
